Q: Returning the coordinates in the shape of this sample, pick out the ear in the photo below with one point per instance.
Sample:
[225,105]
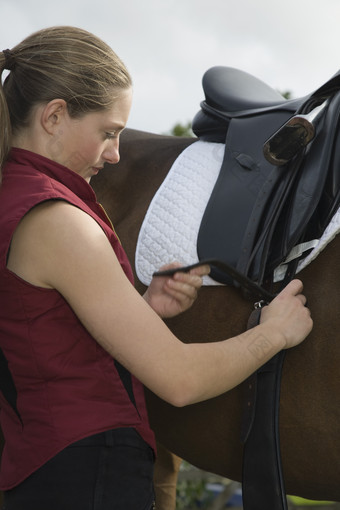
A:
[53,114]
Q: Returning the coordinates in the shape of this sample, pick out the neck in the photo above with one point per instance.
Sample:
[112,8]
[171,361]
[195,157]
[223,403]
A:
[27,139]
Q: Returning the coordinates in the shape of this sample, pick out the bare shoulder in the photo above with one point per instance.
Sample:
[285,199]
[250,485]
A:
[51,236]
[55,214]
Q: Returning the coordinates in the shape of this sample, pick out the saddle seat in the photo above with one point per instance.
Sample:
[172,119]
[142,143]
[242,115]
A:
[230,93]
[231,90]
[259,211]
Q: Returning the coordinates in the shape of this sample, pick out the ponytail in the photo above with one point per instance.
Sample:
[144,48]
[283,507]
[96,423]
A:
[5,123]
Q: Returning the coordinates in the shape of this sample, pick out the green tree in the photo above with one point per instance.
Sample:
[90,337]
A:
[287,94]
[182,130]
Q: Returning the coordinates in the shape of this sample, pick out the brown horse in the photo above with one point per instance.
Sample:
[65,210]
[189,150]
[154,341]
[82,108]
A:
[208,434]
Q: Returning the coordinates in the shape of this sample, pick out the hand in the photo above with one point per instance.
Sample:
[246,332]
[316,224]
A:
[170,296]
[289,315]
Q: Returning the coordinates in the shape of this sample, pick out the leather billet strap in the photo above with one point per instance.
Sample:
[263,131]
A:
[246,283]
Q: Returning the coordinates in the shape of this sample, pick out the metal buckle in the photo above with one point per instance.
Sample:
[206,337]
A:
[260,304]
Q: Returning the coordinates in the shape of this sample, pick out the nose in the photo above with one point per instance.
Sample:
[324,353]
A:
[111,152]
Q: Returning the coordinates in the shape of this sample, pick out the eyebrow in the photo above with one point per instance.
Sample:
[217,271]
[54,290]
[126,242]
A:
[116,127]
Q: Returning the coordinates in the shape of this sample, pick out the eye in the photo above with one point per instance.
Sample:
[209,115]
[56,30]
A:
[110,135]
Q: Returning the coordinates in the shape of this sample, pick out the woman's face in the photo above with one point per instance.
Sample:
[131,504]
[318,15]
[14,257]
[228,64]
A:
[85,144]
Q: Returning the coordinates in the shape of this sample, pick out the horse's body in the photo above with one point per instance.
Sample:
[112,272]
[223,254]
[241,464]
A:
[208,434]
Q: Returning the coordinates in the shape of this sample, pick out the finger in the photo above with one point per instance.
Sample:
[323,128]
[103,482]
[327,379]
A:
[302,298]
[189,279]
[184,289]
[183,301]
[201,270]
[294,287]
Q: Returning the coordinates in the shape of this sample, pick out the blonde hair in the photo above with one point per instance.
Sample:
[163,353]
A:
[59,62]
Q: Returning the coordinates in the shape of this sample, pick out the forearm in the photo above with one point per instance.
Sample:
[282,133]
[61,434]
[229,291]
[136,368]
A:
[213,368]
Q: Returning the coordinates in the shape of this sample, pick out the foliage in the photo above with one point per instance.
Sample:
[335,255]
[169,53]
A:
[287,94]
[192,492]
[182,130]
[189,495]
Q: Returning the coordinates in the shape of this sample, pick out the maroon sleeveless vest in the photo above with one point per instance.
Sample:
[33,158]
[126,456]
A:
[58,385]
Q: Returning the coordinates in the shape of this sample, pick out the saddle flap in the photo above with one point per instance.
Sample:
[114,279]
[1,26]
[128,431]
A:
[245,183]
[257,211]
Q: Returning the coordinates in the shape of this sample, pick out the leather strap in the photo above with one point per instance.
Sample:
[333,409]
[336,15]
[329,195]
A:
[262,480]
[250,387]
[246,283]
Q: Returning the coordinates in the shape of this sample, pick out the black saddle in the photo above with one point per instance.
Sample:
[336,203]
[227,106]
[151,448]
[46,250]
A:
[263,204]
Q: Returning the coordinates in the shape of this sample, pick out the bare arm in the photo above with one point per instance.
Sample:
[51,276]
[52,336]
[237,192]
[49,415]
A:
[59,246]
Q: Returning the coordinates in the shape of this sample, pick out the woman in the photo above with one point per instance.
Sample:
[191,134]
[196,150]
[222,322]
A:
[73,328]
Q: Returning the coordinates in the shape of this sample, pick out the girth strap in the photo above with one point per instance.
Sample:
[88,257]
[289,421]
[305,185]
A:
[262,478]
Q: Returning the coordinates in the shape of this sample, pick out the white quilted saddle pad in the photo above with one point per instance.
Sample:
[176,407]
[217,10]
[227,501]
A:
[170,228]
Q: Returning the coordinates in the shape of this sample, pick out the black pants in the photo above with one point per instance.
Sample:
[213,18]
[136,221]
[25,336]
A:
[108,471]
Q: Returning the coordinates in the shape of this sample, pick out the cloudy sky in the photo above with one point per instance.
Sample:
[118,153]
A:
[293,45]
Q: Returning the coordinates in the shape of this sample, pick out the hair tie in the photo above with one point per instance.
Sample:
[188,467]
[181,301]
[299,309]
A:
[9,60]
